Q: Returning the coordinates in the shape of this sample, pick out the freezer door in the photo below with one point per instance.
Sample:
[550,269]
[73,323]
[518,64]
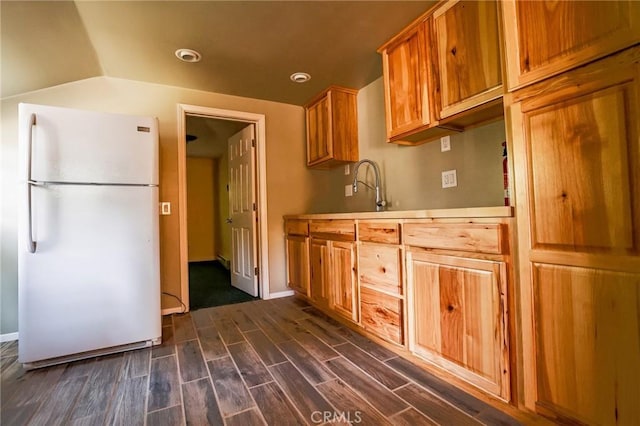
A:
[69,145]
[93,281]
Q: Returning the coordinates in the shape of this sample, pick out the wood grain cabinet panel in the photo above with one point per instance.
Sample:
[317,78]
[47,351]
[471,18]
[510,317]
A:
[588,345]
[340,230]
[342,280]
[332,128]
[296,227]
[545,38]
[380,267]
[576,140]
[407,85]
[582,151]
[386,232]
[481,238]
[468,48]
[382,314]
[319,271]
[458,315]
[297,251]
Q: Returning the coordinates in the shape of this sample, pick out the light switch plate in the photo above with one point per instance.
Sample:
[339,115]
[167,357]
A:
[347,170]
[165,208]
[449,179]
[445,143]
[348,190]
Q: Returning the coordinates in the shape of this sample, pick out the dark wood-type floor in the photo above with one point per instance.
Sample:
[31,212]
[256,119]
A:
[278,362]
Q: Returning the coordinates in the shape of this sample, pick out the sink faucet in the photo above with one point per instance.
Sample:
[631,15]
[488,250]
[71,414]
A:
[380,203]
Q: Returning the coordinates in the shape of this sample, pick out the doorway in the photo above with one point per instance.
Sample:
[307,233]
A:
[208,249]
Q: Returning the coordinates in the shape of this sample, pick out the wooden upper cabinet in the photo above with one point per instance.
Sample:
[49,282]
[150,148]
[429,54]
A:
[468,48]
[332,128]
[406,81]
[443,73]
[545,38]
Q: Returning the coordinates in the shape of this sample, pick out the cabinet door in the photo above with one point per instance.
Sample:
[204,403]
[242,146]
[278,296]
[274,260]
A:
[576,142]
[344,293]
[380,267]
[407,89]
[457,317]
[319,274]
[319,138]
[544,38]
[468,49]
[298,263]
[382,314]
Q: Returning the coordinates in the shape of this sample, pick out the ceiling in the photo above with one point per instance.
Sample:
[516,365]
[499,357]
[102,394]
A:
[249,48]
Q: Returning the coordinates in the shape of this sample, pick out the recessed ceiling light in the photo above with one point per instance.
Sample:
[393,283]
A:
[300,77]
[188,55]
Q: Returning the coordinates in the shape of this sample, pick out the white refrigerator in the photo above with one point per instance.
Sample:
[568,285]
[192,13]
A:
[88,250]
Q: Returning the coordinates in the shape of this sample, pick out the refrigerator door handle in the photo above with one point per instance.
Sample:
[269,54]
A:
[31,244]
[32,122]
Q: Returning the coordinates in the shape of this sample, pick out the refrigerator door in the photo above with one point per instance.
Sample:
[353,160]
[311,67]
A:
[69,145]
[93,281]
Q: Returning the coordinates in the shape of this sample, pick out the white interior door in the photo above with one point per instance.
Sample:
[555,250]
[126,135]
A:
[242,207]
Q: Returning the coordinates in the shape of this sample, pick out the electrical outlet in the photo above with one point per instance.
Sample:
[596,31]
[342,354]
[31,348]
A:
[445,143]
[347,171]
[348,190]
[449,179]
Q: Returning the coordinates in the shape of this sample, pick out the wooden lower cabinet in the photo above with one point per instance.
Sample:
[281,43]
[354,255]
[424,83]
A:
[319,271]
[457,317]
[297,250]
[382,314]
[380,269]
[342,281]
[333,281]
[588,344]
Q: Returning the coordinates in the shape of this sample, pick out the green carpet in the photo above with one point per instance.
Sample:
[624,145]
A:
[210,285]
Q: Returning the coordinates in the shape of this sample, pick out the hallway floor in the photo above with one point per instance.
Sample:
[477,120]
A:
[210,285]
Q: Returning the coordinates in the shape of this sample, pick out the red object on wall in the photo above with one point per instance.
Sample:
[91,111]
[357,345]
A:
[505,172]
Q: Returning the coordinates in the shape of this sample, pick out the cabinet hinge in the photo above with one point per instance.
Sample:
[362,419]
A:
[255,207]
[255,270]
[253,143]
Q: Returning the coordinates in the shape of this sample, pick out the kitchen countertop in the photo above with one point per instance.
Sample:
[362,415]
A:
[468,212]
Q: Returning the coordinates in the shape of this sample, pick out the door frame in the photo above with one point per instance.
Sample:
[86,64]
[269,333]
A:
[262,262]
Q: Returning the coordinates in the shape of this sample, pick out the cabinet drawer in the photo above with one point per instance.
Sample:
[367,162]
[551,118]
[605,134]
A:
[381,267]
[338,230]
[382,315]
[482,238]
[379,232]
[297,227]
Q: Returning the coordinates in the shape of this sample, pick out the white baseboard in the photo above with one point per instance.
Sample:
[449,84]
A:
[279,294]
[9,337]
[224,261]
